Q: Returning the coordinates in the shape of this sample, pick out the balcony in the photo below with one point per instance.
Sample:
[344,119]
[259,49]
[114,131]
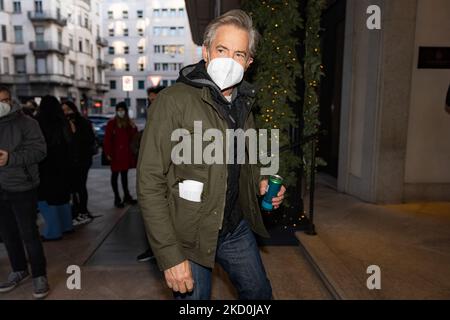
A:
[48,46]
[102,64]
[47,16]
[102,87]
[58,79]
[85,84]
[7,79]
[102,42]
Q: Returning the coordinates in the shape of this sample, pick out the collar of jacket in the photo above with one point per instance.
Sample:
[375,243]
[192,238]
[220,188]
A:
[247,99]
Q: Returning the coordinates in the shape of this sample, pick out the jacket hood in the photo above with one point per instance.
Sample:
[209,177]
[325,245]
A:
[15,110]
[196,75]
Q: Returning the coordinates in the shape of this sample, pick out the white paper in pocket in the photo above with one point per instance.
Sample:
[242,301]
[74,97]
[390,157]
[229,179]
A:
[191,190]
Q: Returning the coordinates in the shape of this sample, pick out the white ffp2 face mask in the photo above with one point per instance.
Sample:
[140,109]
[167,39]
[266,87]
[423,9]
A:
[5,108]
[121,114]
[225,72]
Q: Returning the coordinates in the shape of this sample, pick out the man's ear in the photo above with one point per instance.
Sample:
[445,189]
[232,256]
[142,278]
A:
[205,54]
[249,62]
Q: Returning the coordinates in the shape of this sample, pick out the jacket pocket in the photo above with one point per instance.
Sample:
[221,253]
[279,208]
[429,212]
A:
[186,219]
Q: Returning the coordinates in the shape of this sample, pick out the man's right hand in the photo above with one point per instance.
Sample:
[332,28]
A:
[179,278]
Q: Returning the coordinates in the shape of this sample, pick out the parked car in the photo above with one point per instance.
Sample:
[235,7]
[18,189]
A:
[99,122]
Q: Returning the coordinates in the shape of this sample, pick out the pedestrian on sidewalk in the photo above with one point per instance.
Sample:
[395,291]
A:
[187,236]
[54,190]
[22,147]
[83,146]
[152,93]
[119,135]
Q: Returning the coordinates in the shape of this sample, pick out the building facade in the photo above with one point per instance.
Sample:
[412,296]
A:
[150,41]
[53,47]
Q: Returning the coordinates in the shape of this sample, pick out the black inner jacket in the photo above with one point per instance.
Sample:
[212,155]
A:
[235,112]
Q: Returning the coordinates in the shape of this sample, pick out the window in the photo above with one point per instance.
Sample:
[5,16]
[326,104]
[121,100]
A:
[41,65]
[165,83]
[181,12]
[80,45]
[165,66]
[39,34]
[17,7]
[112,67]
[157,31]
[127,101]
[112,84]
[72,69]
[38,6]
[6,65]
[18,34]
[110,15]
[126,50]
[112,102]
[173,31]
[88,45]
[141,84]
[157,49]
[156,13]
[4,37]
[111,32]
[140,14]
[127,67]
[125,32]
[141,49]
[86,23]
[141,32]
[20,65]
[125,14]
[111,50]
[157,66]
[181,31]
[82,72]
[60,65]
[141,67]
[164,12]
[173,12]
[71,42]
[2,5]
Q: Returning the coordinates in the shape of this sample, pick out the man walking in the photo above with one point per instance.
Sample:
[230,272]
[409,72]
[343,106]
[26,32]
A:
[188,237]
[22,147]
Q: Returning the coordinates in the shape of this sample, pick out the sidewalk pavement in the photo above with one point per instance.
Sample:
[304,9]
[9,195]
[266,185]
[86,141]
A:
[409,242]
[292,277]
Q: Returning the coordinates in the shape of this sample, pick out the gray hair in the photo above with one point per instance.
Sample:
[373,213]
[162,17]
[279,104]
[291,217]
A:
[237,18]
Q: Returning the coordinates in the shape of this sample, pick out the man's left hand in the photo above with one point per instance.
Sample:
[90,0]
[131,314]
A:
[276,201]
[3,158]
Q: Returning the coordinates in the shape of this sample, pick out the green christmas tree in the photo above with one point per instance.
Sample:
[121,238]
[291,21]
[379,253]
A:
[277,70]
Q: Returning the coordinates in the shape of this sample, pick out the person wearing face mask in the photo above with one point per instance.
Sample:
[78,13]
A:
[189,237]
[22,147]
[83,146]
[119,135]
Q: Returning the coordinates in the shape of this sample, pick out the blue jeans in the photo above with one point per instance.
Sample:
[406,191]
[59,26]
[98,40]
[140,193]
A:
[238,254]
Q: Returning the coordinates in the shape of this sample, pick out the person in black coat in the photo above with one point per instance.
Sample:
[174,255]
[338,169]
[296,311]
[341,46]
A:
[54,190]
[82,149]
